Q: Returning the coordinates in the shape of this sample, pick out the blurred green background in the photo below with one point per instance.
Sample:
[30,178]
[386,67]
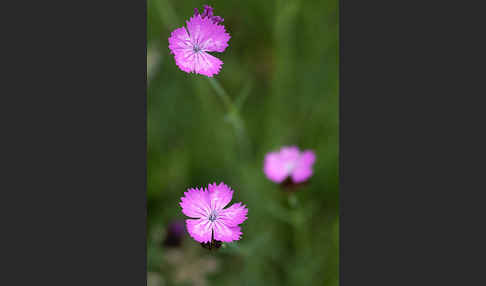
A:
[281,73]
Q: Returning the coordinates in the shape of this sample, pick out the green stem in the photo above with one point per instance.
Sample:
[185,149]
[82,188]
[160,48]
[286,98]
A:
[222,94]
[233,116]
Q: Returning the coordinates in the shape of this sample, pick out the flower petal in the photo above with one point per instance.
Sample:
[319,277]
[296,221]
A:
[206,64]
[200,229]
[225,233]
[234,215]
[219,196]
[179,40]
[195,203]
[196,28]
[307,158]
[184,59]
[180,45]
[216,40]
[303,169]
[208,35]
[274,168]
[289,154]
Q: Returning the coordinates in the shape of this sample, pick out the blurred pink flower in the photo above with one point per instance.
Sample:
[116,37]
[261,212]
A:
[210,221]
[191,46]
[289,162]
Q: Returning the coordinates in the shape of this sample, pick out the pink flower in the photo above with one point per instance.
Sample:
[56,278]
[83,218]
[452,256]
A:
[191,46]
[289,162]
[210,221]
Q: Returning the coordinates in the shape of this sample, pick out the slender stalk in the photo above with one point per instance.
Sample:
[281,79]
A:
[233,116]
[222,94]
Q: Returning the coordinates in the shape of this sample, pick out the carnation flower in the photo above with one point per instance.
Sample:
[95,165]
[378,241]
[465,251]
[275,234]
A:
[289,162]
[191,45]
[210,220]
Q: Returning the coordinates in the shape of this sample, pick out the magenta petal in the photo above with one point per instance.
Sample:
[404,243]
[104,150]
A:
[200,229]
[307,158]
[209,36]
[274,168]
[301,174]
[225,233]
[219,196]
[303,168]
[234,215]
[201,63]
[180,45]
[289,154]
[216,40]
[179,39]
[206,64]
[185,60]
[199,28]
[195,203]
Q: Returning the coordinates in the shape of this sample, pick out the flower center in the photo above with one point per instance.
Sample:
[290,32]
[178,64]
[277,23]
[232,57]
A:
[196,48]
[289,167]
[213,216]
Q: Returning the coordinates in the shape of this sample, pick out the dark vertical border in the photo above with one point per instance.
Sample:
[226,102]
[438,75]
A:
[75,160]
[410,129]
[372,230]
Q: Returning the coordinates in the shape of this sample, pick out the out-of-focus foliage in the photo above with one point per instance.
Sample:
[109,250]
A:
[281,67]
